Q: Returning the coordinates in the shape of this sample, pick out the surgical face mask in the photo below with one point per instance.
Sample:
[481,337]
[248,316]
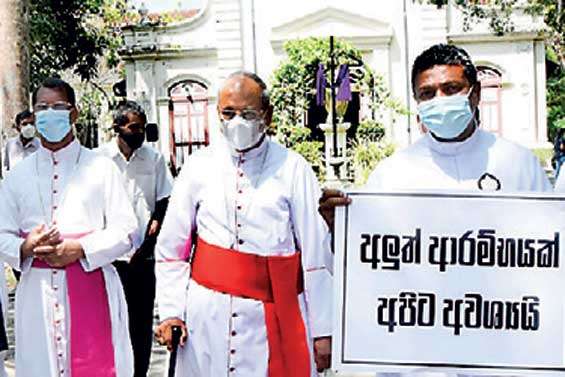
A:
[53,125]
[446,117]
[28,131]
[243,134]
[133,140]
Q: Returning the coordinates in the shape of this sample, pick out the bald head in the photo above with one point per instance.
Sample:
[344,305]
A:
[244,90]
[237,78]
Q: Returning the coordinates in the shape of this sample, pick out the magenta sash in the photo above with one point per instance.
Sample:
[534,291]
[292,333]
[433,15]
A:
[92,349]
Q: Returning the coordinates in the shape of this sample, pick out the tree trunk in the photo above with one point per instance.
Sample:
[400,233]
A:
[14,62]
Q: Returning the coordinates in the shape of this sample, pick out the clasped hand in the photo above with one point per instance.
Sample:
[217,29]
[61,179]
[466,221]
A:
[48,245]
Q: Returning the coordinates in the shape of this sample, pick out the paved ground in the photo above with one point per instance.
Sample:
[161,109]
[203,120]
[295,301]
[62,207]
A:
[159,361]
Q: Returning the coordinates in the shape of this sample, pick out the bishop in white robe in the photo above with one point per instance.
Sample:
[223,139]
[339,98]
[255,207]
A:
[256,207]
[71,317]
[85,194]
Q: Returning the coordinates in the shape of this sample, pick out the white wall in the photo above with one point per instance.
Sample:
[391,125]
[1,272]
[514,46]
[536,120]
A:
[235,34]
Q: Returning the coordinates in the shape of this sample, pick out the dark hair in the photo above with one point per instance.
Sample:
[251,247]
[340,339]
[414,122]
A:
[56,84]
[123,108]
[444,54]
[23,115]
[265,97]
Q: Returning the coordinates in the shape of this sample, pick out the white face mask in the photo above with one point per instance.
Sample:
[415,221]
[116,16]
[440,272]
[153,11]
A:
[243,134]
[28,131]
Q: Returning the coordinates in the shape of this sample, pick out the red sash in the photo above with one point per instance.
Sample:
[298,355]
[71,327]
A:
[92,349]
[274,280]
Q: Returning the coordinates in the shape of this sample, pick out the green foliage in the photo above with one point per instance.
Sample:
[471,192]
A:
[297,139]
[544,155]
[293,84]
[365,155]
[312,152]
[555,104]
[370,130]
[498,15]
[294,80]
[73,34]
[290,135]
[90,104]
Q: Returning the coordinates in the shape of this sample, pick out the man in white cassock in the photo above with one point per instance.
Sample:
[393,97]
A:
[243,261]
[65,216]
[454,152]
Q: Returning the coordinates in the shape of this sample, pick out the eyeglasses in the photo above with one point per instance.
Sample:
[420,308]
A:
[42,106]
[134,127]
[247,114]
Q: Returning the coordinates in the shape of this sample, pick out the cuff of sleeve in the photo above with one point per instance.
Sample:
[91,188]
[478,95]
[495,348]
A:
[25,265]
[89,262]
[169,312]
[15,259]
[319,293]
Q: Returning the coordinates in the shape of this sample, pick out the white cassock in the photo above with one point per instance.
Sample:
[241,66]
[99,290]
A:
[83,192]
[263,202]
[481,162]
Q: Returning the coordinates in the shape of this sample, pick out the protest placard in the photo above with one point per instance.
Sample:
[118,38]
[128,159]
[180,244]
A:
[450,281]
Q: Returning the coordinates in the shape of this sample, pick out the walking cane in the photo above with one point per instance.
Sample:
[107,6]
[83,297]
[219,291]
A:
[175,343]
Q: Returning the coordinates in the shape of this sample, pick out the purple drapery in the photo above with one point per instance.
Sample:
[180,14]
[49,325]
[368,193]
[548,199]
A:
[344,90]
[320,85]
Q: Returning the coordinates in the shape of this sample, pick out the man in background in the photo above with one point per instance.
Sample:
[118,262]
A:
[149,185]
[21,146]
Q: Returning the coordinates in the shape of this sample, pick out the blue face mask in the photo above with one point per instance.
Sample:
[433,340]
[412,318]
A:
[53,125]
[447,116]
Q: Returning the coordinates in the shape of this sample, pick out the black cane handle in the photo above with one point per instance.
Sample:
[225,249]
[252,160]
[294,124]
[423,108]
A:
[176,334]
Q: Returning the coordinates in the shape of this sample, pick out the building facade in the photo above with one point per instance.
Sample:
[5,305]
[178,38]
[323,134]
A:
[174,70]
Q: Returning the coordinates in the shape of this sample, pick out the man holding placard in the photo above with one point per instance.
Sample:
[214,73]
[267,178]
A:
[454,154]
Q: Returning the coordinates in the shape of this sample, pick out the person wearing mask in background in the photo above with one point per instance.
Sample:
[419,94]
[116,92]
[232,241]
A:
[65,218]
[149,185]
[256,299]
[21,146]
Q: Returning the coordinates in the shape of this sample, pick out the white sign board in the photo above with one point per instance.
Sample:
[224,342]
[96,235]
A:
[450,281]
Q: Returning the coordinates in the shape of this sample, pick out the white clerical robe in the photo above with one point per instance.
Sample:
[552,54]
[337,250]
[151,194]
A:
[83,192]
[262,202]
[481,162]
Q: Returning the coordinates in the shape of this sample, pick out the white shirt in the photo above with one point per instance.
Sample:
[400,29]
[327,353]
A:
[263,202]
[83,192]
[147,178]
[15,151]
[483,159]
